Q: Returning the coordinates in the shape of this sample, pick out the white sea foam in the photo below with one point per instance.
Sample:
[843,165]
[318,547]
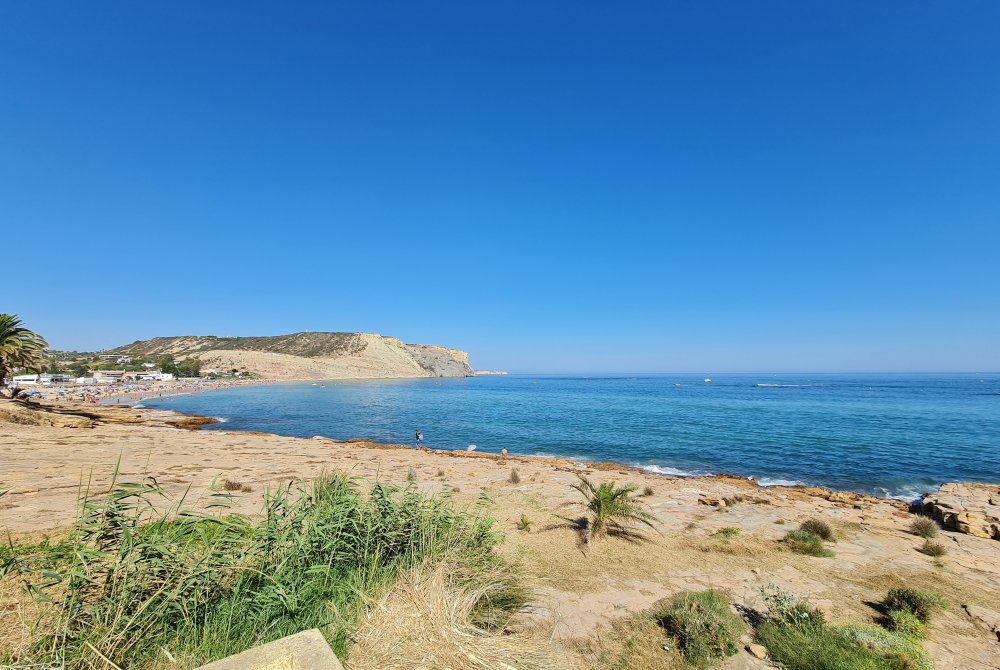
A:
[663,470]
[220,419]
[776,481]
[788,386]
[549,454]
[138,405]
[906,493]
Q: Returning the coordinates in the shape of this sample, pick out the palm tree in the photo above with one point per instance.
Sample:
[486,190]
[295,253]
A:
[612,508]
[19,347]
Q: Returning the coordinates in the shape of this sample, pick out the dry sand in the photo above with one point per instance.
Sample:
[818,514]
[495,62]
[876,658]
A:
[579,589]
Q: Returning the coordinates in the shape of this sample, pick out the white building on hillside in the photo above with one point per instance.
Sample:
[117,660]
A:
[108,376]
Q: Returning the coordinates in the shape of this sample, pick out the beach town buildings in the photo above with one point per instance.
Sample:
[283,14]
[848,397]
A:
[117,358]
[42,379]
[108,376]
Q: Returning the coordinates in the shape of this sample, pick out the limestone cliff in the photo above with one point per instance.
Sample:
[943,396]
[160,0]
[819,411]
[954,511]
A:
[311,355]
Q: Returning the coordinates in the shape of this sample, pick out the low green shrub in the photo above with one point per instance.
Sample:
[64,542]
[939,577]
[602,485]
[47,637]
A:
[786,610]
[897,651]
[817,648]
[727,533]
[704,625]
[924,527]
[905,623]
[921,603]
[805,542]
[797,637]
[818,528]
[524,523]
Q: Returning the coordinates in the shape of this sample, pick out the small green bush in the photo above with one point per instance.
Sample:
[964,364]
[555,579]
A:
[805,542]
[786,610]
[797,637]
[935,549]
[921,603]
[817,648]
[524,523]
[897,651]
[818,528]
[411,475]
[727,533]
[705,626]
[924,527]
[906,623]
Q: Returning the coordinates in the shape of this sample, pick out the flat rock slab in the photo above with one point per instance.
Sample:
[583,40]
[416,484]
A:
[973,509]
[303,651]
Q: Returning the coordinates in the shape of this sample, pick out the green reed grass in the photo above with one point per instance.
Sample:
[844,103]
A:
[140,588]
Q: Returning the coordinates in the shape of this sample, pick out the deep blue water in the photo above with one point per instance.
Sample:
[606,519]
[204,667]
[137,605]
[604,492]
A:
[894,435]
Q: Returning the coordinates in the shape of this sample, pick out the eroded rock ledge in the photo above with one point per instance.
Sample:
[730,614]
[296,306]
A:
[973,509]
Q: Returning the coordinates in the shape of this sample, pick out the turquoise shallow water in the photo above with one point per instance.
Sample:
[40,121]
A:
[891,435]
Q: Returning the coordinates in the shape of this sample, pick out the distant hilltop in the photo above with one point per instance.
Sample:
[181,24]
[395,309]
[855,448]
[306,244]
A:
[310,355]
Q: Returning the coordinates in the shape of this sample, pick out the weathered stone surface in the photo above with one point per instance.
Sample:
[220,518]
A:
[303,651]
[757,650]
[984,618]
[966,508]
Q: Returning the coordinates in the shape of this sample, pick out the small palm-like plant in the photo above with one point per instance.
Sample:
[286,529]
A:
[612,508]
[19,347]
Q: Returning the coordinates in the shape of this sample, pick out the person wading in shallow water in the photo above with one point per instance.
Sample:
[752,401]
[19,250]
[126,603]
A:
[419,436]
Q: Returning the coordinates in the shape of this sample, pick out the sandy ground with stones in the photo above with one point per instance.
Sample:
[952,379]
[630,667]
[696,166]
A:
[47,455]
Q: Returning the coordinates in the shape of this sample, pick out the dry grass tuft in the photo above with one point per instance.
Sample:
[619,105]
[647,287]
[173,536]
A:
[741,545]
[633,642]
[924,527]
[424,621]
[20,618]
[231,485]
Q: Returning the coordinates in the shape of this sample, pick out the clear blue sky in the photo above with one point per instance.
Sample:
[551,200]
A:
[698,186]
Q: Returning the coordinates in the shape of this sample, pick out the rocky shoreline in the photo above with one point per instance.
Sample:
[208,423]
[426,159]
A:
[51,451]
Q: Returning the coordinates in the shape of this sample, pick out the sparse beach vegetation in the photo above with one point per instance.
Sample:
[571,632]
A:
[819,528]
[933,549]
[134,587]
[924,527]
[798,637]
[612,509]
[515,477]
[704,625]
[921,604]
[235,486]
[806,542]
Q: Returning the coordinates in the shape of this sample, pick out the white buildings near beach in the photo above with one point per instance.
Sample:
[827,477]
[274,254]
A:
[45,379]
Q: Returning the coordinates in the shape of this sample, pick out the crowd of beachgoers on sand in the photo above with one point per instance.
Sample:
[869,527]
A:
[127,392]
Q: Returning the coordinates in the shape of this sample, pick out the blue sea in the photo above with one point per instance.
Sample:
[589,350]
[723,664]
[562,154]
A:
[889,435]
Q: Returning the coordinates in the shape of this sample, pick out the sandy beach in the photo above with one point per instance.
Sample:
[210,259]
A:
[130,393]
[578,591]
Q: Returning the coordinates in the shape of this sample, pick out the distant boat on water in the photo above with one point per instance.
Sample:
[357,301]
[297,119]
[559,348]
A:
[707,380]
